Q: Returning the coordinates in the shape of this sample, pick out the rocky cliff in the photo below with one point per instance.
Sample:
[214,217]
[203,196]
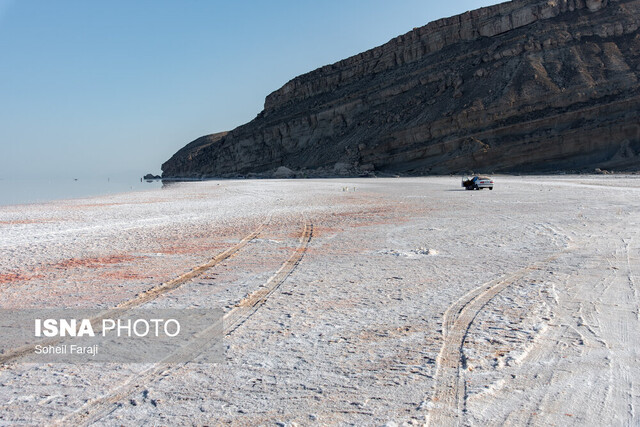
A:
[523,86]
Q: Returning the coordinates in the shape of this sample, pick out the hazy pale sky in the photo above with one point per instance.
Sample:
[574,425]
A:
[101,88]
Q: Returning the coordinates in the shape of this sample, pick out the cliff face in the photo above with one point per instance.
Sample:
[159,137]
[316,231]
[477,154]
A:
[521,86]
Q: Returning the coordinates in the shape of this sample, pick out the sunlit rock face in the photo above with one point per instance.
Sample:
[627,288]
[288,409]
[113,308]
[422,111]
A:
[523,86]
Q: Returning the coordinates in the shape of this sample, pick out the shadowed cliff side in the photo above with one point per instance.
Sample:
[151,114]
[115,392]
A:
[524,86]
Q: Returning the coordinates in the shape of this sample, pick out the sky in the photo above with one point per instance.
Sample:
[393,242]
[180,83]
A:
[108,88]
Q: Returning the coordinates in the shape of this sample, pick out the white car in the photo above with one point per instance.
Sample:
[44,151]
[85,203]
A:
[477,183]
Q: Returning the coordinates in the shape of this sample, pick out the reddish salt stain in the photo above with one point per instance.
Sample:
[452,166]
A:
[94,262]
[311,251]
[321,231]
[17,277]
[191,249]
[382,222]
[30,221]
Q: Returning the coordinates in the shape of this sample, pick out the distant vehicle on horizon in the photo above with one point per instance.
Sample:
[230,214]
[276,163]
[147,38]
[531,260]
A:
[477,183]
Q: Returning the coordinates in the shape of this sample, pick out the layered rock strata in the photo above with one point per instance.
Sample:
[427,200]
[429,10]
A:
[523,86]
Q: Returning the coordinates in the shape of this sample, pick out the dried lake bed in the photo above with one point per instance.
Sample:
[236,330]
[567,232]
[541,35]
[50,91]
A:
[346,301]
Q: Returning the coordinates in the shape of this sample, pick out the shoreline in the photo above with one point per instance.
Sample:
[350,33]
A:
[268,176]
[166,182]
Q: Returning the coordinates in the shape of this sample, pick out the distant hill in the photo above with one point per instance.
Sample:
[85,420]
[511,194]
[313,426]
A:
[524,86]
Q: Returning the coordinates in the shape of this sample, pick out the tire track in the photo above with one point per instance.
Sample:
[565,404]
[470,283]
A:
[100,407]
[156,292]
[631,281]
[249,305]
[449,396]
[593,314]
[146,296]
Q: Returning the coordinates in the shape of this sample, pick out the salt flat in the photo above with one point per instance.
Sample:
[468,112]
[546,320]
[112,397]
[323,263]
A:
[400,301]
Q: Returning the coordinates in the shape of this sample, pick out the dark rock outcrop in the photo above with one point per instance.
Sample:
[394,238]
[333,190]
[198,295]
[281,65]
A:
[524,86]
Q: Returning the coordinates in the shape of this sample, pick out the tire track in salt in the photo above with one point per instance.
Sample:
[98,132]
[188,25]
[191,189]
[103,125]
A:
[146,296]
[448,399]
[598,331]
[250,304]
[100,407]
